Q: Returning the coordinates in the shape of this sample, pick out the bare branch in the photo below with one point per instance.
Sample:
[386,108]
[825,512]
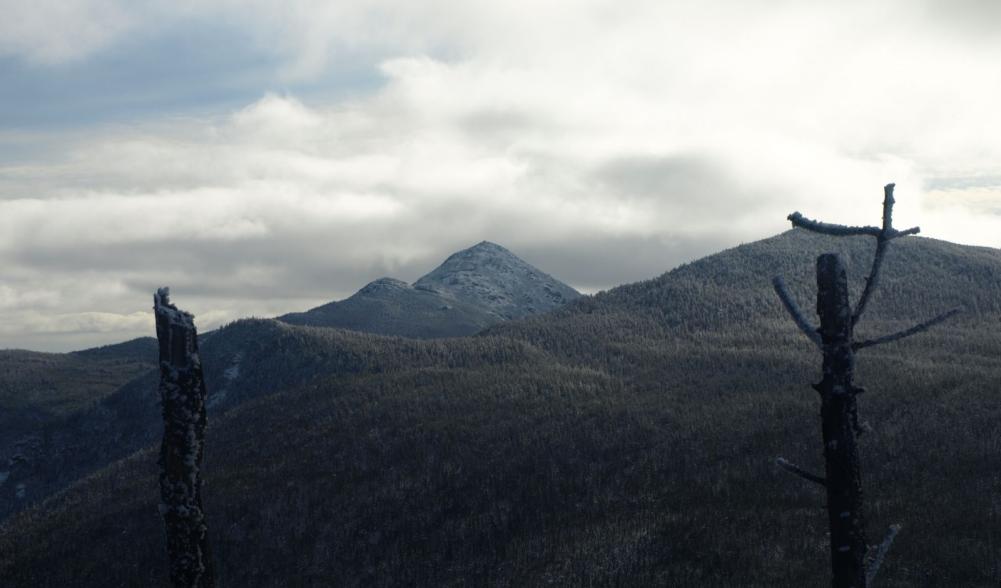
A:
[907,333]
[883,238]
[798,220]
[911,231]
[877,260]
[888,203]
[797,315]
[795,469]
[871,280]
[873,567]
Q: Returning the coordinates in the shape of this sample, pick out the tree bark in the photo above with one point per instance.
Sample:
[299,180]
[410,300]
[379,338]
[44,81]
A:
[839,414]
[182,394]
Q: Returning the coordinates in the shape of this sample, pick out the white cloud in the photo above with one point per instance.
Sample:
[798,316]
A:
[81,322]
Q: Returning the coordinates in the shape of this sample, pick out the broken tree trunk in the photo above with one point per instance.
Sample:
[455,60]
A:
[839,408]
[182,394]
[839,421]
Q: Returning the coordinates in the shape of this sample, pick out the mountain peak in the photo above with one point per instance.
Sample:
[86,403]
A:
[473,289]
[483,250]
[489,275]
[488,246]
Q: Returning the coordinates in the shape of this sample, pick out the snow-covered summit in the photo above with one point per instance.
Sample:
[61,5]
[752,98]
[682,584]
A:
[473,289]
[490,276]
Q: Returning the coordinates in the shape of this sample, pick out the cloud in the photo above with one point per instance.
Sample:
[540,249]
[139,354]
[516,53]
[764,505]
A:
[605,142]
[87,322]
[57,31]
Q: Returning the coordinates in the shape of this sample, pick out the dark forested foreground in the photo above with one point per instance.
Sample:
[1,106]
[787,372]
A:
[628,439]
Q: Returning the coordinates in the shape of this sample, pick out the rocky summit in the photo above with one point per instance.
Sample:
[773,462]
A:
[492,277]
[473,289]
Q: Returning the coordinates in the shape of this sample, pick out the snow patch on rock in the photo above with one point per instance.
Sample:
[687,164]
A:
[229,376]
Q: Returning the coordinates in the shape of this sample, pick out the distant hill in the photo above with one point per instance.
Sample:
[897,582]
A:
[60,383]
[719,295]
[142,349]
[38,388]
[40,391]
[392,307]
[474,288]
[622,439]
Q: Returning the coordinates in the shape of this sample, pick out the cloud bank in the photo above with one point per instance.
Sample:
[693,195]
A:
[604,142]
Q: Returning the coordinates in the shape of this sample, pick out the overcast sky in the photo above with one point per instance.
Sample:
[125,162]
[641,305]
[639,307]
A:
[261,156]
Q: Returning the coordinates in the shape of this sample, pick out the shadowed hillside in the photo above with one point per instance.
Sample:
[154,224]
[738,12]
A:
[242,361]
[42,390]
[57,384]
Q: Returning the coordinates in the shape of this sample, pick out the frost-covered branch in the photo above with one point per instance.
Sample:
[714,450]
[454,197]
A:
[907,333]
[795,469]
[798,220]
[797,315]
[873,568]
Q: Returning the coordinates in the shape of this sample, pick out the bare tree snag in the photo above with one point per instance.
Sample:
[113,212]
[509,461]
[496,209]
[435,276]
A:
[838,392]
[839,415]
[182,394]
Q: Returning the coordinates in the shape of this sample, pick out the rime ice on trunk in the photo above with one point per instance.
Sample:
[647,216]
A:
[182,394]
[839,408]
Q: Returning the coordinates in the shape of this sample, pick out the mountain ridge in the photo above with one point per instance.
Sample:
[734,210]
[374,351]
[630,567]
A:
[472,289]
[625,438]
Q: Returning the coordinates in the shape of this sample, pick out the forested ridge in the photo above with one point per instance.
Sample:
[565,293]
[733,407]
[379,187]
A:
[38,390]
[625,439]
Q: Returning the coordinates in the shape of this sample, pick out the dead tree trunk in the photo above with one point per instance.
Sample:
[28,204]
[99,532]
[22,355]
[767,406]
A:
[838,414]
[182,394]
[839,409]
